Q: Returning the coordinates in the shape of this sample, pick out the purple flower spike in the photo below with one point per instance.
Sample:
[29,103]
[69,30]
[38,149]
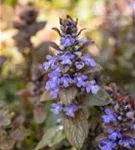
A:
[68,66]
[89,61]
[70,110]
[56,108]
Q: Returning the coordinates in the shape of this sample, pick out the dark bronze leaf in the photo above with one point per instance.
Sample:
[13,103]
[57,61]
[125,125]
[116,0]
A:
[57,30]
[53,45]
[29,31]
[76,130]
[86,44]
[68,95]
[97,68]
[39,114]
[45,96]
[18,25]
[69,17]
[81,31]
[100,99]
[34,28]
[61,21]
[101,137]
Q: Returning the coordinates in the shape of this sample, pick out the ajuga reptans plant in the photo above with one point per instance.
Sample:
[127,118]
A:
[119,124]
[68,69]
[73,83]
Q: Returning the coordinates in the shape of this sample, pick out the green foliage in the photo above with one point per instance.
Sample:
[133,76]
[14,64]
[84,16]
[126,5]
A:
[76,130]
[100,99]
[68,95]
[51,137]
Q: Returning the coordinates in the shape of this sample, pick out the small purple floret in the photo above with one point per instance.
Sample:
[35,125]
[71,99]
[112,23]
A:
[88,61]
[110,116]
[70,110]
[67,40]
[127,142]
[91,87]
[56,108]
[107,144]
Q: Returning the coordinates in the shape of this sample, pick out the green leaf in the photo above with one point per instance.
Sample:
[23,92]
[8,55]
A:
[97,68]
[45,96]
[68,95]
[76,130]
[100,99]
[51,137]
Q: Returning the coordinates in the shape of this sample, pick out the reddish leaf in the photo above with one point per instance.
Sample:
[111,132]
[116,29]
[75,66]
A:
[39,114]
[53,45]
[76,130]
[86,44]
[68,95]
[57,30]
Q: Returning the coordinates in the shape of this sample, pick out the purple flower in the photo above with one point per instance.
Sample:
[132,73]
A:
[88,61]
[79,65]
[66,58]
[70,110]
[127,142]
[109,116]
[54,93]
[66,80]
[55,74]
[107,144]
[114,134]
[52,83]
[91,87]
[80,80]
[52,61]
[56,108]
[67,40]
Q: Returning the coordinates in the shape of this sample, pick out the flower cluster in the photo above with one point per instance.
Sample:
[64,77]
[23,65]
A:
[70,110]
[66,69]
[119,125]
